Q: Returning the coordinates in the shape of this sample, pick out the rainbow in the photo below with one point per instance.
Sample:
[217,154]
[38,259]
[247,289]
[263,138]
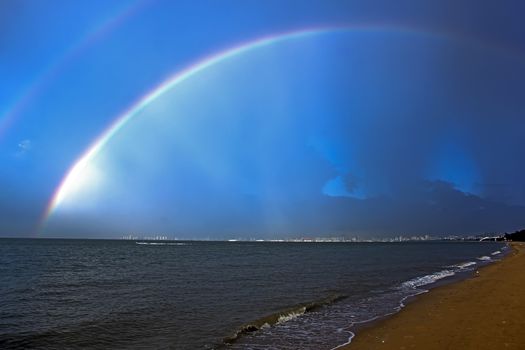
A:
[173,80]
[54,69]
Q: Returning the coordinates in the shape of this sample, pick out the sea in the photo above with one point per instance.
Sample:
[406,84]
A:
[116,294]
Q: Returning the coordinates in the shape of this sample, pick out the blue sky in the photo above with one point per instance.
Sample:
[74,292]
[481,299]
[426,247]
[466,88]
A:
[402,118]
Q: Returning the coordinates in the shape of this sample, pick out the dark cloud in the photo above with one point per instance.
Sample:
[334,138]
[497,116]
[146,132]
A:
[433,208]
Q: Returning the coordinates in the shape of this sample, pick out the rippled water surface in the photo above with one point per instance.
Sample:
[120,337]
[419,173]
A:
[195,295]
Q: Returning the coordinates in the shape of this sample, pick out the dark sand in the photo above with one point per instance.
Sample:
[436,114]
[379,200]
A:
[484,312]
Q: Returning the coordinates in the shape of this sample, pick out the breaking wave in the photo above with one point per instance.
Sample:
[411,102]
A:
[337,323]
[161,243]
[465,265]
[428,279]
[281,317]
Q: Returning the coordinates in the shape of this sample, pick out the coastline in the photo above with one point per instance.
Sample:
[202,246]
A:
[482,312]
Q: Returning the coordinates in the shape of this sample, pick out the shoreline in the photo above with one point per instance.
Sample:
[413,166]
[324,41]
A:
[484,311]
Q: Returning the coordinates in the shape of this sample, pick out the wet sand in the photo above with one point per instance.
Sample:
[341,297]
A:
[483,312]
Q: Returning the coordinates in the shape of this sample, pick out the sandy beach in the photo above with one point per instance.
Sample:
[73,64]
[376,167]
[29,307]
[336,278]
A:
[483,312]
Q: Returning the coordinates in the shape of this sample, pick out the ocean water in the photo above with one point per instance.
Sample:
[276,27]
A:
[101,294]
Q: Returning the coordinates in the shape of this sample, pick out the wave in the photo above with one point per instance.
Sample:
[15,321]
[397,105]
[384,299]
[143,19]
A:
[390,301]
[416,283]
[465,265]
[160,243]
[282,317]
[449,272]
[410,289]
[428,279]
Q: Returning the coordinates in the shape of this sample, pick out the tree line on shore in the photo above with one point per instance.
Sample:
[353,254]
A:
[516,236]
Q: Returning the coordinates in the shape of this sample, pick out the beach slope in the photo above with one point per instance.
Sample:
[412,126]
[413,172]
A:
[483,312]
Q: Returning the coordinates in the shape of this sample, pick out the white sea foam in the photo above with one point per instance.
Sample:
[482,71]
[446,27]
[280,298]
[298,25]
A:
[291,315]
[344,317]
[428,279]
[465,265]
[160,243]
[414,285]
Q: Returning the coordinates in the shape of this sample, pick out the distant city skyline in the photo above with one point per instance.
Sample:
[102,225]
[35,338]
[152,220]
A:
[328,239]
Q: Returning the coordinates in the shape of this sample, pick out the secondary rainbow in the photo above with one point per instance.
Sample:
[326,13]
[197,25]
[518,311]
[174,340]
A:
[56,68]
